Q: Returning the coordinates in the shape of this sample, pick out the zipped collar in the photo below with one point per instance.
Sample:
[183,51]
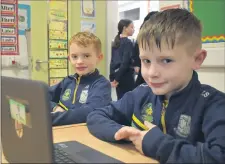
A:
[87,77]
[192,89]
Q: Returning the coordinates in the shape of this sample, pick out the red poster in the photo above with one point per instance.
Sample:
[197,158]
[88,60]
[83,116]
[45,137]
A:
[9,27]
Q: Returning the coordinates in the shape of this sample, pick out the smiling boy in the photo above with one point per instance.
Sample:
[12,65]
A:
[173,118]
[76,96]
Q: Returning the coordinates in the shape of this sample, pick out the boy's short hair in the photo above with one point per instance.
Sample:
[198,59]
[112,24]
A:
[85,39]
[173,27]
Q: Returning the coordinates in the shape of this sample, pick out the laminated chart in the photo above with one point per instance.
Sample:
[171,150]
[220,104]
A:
[9,27]
[59,73]
[57,40]
[58,63]
[58,53]
[57,44]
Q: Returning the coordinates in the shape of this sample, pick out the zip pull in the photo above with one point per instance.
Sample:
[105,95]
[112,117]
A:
[163,113]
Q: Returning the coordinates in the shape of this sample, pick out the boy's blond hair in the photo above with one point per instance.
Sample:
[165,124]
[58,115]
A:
[171,27]
[85,39]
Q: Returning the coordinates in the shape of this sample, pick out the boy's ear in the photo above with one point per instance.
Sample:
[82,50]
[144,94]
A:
[199,59]
[68,58]
[100,56]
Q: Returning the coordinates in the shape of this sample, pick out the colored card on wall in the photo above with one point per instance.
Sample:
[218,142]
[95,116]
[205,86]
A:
[55,34]
[8,31]
[9,27]
[88,26]
[58,63]
[8,50]
[58,54]
[58,73]
[6,8]
[8,40]
[88,8]
[57,5]
[56,25]
[57,44]
[57,15]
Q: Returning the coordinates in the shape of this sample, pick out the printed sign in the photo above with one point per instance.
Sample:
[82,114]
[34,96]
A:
[58,63]
[58,54]
[53,34]
[9,27]
[58,73]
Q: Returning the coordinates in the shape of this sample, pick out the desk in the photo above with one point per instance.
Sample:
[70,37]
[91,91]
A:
[79,132]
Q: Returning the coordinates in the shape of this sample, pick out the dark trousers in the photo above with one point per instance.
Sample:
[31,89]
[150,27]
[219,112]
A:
[126,84]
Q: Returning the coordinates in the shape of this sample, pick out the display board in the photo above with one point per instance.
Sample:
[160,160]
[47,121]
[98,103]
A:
[57,40]
[211,14]
[9,27]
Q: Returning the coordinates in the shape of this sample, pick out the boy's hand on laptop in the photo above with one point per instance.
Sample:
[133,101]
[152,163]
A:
[126,132]
[58,109]
[133,134]
[138,139]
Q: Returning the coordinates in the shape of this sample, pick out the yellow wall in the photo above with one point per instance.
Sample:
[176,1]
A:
[100,19]
[39,44]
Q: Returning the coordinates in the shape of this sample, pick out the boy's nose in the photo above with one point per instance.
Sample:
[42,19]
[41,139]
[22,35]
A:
[153,71]
[80,60]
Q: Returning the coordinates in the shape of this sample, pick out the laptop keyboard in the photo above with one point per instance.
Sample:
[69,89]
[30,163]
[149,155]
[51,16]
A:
[61,157]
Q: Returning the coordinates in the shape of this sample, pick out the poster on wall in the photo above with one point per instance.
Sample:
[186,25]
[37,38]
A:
[170,7]
[57,40]
[88,26]
[9,27]
[88,8]
[23,18]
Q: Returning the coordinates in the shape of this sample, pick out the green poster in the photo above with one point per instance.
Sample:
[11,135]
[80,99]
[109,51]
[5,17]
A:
[212,16]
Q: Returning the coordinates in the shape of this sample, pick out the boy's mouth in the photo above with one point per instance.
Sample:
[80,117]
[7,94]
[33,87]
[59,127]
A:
[81,68]
[156,85]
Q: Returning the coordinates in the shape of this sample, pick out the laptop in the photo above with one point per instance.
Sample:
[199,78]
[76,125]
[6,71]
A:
[27,128]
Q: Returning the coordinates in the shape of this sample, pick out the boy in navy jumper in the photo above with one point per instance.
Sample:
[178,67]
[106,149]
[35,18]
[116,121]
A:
[76,96]
[172,118]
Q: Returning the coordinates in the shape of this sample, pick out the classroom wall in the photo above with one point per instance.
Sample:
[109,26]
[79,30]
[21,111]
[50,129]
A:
[211,13]
[112,19]
[100,19]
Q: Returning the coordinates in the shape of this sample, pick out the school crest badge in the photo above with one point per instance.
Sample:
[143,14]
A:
[66,95]
[147,113]
[184,126]
[83,96]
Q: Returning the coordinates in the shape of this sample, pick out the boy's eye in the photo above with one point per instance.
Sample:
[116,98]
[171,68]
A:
[74,57]
[146,61]
[166,61]
[86,56]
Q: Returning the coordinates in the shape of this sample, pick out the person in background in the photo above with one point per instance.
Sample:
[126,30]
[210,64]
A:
[136,59]
[121,71]
[172,118]
[77,95]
